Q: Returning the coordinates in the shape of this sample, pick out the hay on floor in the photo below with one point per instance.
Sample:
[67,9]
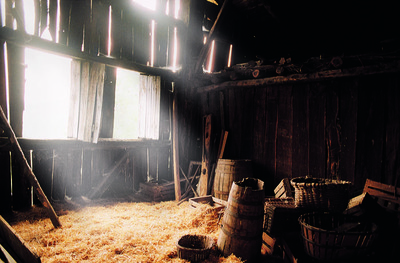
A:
[118,232]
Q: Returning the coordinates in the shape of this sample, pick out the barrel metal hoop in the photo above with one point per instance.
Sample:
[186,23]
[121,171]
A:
[240,237]
[244,216]
[244,202]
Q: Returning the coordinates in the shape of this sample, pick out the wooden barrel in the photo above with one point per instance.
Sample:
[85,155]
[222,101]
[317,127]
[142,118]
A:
[242,223]
[228,171]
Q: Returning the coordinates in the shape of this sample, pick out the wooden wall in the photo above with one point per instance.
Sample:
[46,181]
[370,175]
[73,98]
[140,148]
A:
[74,169]
[344,128]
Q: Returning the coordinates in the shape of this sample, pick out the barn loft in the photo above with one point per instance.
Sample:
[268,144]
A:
[153,102]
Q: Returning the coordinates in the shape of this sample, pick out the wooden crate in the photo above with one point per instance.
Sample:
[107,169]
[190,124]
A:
[382,191]
[157,192]
[268,244]
[278,248]
[216,203]
[387,196]
[362,205]
[283,189]
[280,216]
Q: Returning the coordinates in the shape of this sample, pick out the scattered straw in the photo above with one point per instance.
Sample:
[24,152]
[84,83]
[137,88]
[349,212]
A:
[119,232]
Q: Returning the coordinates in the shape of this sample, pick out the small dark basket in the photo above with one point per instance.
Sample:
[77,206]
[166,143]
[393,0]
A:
[330,237]
[321,194]
[194,247]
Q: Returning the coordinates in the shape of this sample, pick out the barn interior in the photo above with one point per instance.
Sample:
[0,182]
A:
[151,103]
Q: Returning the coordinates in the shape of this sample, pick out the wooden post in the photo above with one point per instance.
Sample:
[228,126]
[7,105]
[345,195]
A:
[205,161]
[19,155]
[175,146]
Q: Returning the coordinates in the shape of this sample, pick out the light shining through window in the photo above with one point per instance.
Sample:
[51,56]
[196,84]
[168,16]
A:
[47,95]
[126,111]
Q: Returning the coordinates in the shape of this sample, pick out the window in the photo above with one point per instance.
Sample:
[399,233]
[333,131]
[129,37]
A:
[137,106]
[47,93]
[126,111]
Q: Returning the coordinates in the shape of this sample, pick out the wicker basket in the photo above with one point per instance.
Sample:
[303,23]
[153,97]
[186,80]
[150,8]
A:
[321,194]
[194,247]
[332,237]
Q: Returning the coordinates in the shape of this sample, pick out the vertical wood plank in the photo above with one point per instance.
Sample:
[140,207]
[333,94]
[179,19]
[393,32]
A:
[84,97]
[332,132]
[370,132]
[42,167]
[5,182]
[3,87]
[141,47]
[284,134]
[75,95]
[316,153]
[97,81]
[87,164]
[270,135]
[37,17]
[248,123]
[348,128]
[21,189]
[107,122]
[236,128]
[175,147]
[164,172]
[153,164]
[99,37]
[59,174]
[43,16]
[206,161]
[116,28]
[53,19]
[259,131]
[73,169]
[392,146]
[65,8]
[300,131]
[78,19]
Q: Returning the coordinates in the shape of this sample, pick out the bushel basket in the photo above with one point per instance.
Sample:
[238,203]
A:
[321,194]
[334,237]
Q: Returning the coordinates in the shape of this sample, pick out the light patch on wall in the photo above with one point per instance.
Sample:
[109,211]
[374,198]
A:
[230,56]
[109,30]
[150,4]
[47,93]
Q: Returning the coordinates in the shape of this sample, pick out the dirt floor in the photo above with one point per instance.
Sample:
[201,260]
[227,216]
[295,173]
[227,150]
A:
[116,231]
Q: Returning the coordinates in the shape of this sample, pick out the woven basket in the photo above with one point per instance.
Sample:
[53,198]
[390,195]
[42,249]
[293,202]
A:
[194,247]
[321,194]
[332,237]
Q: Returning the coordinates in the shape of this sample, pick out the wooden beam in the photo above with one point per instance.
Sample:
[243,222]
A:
[389,67]
[16,243]
[24,40]
[204,49]
[19,155]
[175,146]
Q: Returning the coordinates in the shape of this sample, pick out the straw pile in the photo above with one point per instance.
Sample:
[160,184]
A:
[118,232]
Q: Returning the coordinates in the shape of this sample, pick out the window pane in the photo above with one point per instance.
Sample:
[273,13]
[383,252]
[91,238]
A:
[126,114]
[47,95]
